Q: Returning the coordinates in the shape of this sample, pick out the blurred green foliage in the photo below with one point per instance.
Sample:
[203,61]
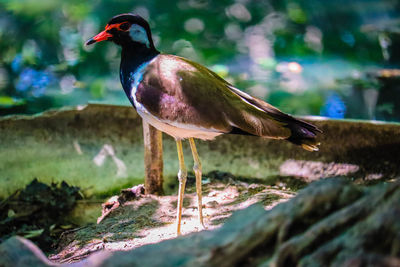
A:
[287,52]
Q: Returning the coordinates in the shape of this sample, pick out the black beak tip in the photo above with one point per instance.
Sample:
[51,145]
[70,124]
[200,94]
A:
[90,41]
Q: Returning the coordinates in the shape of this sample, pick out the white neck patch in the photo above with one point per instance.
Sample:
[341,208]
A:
[138,34]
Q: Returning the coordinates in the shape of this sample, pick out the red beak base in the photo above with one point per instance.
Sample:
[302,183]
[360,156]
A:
[102,36]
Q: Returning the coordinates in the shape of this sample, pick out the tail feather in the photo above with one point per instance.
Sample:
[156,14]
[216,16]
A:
[302,133]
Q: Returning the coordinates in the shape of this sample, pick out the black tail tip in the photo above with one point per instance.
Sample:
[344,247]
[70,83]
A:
[304,134]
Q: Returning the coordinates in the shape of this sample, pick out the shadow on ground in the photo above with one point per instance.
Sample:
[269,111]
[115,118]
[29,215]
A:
[151,219]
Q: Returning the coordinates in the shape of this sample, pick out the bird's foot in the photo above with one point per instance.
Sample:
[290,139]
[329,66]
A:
[202,227]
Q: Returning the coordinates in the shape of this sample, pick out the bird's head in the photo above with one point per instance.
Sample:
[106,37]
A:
[126,30]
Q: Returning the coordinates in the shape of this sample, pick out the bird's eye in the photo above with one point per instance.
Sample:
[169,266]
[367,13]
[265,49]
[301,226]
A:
[124,26]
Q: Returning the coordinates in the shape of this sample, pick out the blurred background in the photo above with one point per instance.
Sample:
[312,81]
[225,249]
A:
[338,59]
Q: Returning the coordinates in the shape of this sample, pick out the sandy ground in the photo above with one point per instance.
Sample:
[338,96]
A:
[151,219]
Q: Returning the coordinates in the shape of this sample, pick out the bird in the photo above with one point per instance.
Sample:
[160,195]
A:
[188,101]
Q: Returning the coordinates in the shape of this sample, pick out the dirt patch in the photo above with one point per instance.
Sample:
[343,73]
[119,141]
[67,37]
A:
[151,219]
[313,170]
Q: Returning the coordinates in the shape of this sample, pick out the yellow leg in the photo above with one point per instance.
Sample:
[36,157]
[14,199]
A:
[182,175]
[197,171]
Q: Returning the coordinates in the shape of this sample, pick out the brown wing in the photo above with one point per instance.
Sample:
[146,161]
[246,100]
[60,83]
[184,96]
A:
[177,90]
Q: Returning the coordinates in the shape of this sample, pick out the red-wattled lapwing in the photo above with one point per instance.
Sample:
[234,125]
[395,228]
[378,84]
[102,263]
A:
[186,100]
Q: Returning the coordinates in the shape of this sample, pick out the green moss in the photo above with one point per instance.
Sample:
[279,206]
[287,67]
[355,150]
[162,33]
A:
[270,199]
[54,163]
[290,182]
[123,225]
[44,147]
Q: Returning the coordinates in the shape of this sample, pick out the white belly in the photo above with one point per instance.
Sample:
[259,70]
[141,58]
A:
[178,131]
